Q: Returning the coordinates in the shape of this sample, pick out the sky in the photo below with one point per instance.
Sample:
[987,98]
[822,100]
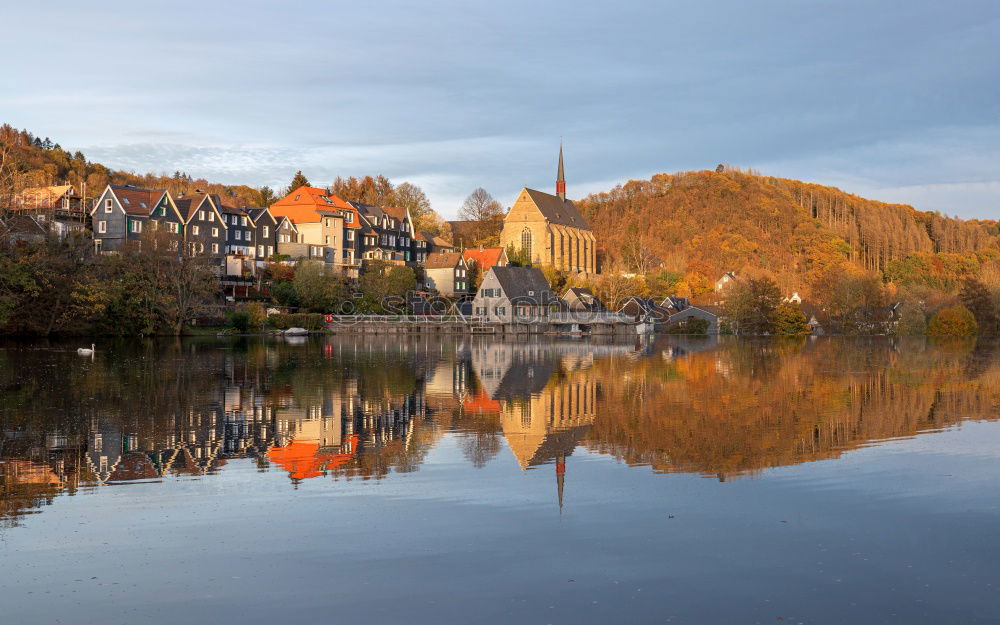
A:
[893,100]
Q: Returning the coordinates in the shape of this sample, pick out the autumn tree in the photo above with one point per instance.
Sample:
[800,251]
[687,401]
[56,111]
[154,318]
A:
[750,305]
[788,319]
[485,214]
[954,320]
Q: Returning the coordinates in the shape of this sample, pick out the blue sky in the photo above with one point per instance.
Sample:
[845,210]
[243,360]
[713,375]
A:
[898,101]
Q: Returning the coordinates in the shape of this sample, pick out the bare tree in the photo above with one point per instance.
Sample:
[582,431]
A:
[480,206]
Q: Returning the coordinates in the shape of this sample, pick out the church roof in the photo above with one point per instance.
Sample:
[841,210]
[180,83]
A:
[556,210]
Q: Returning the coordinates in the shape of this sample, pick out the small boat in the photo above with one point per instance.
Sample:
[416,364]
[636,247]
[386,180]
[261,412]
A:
[83,351]
[296,332]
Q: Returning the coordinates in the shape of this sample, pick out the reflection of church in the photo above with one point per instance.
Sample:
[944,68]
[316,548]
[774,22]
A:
[546,400]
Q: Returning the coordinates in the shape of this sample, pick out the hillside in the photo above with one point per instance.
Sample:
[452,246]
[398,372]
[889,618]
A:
[701,224]
[29,161]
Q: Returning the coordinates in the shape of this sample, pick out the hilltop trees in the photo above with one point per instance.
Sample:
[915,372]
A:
[485,215]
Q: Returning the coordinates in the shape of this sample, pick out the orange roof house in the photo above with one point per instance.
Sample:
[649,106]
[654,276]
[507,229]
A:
[304,204]
[486,257]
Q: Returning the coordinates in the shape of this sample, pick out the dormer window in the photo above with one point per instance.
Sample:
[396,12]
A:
[296,198]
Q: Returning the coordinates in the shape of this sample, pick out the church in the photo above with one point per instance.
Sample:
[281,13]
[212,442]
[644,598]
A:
[550,229]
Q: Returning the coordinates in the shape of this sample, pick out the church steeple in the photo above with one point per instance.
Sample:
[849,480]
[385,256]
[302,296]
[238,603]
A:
[561,177]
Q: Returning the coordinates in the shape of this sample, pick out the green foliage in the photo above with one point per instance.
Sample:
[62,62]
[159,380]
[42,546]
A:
[317,289]
[788,319]
[384,288]
[283,293]
[692,325]
[309,321]
[750,305]
[954,320]
[663,282]
[238,320]
[518,257]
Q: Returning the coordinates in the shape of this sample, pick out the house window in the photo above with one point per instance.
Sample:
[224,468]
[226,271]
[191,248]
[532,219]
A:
[246,235]
[215,248]
[194,230]
[173,227]
[163,211]
[108,205]
[267,232]
[215,232]
[211,216]
[350,235]
[135,225]
[102,227]
[270,250]
[326,240]
[243,221]
[201,215]
[260,250]
[239,235]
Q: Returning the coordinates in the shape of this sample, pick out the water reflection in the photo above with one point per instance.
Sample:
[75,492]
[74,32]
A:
[344,408]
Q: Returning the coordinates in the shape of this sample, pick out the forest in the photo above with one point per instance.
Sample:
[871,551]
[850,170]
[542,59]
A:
[699,225]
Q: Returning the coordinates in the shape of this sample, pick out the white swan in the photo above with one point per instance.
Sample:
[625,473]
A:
[83,351]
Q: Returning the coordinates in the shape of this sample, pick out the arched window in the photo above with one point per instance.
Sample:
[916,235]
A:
[526,243]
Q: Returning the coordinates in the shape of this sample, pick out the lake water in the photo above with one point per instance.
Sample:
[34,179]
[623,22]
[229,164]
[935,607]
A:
[390,480]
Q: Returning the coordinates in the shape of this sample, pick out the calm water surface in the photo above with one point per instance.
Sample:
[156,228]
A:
[388,480]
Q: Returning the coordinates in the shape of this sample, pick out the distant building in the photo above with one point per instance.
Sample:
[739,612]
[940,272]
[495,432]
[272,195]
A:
[265,231]
[578,299]
[21,229]
[550,230]
[509,294]
[447,273]
[726,280]
[59,208]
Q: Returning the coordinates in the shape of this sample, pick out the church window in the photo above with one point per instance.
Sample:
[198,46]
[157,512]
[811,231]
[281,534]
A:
[526,242]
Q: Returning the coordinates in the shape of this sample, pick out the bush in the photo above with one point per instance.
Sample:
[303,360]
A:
[308,321]
[239,320]
[692,325]
[954,320]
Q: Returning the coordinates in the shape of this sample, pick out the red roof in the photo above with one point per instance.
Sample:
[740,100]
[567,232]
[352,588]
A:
[302,206]
[486,257]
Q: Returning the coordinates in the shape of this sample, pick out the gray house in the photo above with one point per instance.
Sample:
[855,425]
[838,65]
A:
[711,314]
[120,215]
[514,294]
[579,299]
[265,232]
[240,229]
[204,226]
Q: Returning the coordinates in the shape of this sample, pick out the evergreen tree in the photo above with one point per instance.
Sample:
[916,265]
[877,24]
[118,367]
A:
[297,181]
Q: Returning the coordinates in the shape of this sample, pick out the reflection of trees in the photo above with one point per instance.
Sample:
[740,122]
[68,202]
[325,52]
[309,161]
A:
[713,413]
[357,409]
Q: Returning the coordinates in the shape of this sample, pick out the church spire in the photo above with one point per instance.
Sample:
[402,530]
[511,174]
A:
[560,479]
[561,177]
